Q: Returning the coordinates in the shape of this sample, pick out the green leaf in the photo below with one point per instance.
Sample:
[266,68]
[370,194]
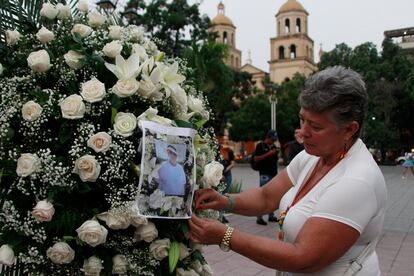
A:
[181,123]
[184,227]
[68,238]
[200,123]
[64,134]
[173,255]
[114,112]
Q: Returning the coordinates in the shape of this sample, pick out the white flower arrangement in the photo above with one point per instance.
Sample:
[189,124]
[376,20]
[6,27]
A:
[71,98]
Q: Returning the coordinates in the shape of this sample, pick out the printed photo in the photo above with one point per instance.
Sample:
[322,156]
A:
[167,179]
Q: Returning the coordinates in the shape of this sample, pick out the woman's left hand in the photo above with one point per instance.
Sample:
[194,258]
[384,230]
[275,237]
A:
[206,231]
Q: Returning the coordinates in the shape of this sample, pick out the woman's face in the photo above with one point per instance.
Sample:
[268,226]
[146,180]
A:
[321,136]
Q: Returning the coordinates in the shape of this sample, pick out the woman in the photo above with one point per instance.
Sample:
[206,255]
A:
[332,196]
[408,164]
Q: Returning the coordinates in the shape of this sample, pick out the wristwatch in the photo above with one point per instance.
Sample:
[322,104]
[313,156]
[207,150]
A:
[225,242]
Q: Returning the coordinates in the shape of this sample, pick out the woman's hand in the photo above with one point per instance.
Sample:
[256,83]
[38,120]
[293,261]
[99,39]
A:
[209,199]
[206,231]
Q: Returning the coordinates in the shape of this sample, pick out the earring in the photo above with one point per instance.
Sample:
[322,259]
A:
[343,152]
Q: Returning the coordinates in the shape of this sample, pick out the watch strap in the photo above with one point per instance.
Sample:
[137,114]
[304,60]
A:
[227,236]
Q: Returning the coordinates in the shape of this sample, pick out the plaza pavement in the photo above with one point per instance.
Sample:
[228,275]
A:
[395,248]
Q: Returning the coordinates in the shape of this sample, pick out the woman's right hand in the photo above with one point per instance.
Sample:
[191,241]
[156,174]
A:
[209,199]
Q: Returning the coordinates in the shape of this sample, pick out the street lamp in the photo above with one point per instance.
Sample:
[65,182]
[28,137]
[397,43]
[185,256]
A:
[272,90]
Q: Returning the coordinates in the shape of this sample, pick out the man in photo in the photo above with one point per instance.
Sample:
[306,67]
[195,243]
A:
[171,175]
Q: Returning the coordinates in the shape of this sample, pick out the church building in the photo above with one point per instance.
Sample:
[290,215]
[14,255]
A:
[292,50]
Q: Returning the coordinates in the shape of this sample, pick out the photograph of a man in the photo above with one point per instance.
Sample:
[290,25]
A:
[171,175]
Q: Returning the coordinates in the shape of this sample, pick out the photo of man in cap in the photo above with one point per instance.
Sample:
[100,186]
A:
[266,156]
[171,175]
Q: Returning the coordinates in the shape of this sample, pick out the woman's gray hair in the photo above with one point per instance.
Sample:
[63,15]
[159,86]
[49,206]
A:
[336,89]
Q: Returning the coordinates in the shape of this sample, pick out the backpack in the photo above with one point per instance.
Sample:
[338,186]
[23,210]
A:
[254,165]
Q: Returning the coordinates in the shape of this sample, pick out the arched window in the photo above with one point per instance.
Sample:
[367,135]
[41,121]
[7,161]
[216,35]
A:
[287,79]
[298,26]
[292,51]
[232,39]
[237,62]
[287,25]
[307,51]
[281,52]
[232,60]
[279,31]
[225,37]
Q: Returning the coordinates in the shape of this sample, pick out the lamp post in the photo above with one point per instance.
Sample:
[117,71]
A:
[272,91]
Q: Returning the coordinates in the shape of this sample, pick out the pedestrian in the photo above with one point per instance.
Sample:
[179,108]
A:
[332,196]
[227,160]
[408,164]
[295,146]
[266,157]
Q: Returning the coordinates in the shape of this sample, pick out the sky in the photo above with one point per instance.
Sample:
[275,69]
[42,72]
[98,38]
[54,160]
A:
[331,22]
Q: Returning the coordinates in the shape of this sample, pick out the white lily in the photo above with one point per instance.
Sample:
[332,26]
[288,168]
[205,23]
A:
[173,203]
[151,115]
[125,69]
[170,79]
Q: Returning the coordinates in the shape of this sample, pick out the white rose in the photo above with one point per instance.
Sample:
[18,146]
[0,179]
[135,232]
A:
[125,88]
[136,219]
[60,253]
[112,49]
[6,255]
[125,124]
[146,232]
[93,90]
[179,100]
[27,164]
[115,220]
[83,6]
[120,264]
[39,61]
[87,168]
[81,30]
[100,142]
[184,251]
[207,271]
[213,172]
[92,233]
[44,35]
[31,111]
[195,104]
[63,11]
[49,11]
[140,51]
[147,88]
[1,69]
[115,32]
[72,107]
[92,266]
[73,59]
[159,248]
[95,19]
[183,272]
[43,211]
[12,37]
[136,33]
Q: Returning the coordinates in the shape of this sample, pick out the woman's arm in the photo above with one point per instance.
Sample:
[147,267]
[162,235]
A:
[320,242]
[262,200]
[229,167]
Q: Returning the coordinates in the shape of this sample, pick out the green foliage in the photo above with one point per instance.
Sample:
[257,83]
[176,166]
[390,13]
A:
[252,120]
[173,255]
[235,187]
[169,21]
[389,77]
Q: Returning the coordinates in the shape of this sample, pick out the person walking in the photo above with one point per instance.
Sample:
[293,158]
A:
[332,196]
[227,160]
[408,164]
[294,146]
[266,157]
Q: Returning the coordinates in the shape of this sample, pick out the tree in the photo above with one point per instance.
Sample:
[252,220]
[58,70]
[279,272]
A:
[252,120]
[175,23]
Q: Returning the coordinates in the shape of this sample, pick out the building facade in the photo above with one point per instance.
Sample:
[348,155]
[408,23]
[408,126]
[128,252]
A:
[292,50]
[227,35]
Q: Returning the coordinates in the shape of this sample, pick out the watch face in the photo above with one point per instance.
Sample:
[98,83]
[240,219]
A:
[224,247]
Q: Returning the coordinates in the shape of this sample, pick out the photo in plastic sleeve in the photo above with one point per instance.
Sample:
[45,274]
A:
[167,179]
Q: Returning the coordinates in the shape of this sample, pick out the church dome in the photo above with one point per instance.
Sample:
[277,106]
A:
[291,5]
[220,18]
